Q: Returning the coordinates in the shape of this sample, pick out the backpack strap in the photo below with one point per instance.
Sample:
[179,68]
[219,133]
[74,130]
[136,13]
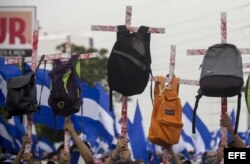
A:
[56,62]
[143,32]
[238,114]
[195,109]
[23,66]
[73,59]
[151,87]
[110,100]
[40,98]
[39,63]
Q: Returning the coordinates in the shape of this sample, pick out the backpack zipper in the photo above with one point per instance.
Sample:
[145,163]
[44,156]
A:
[134,60]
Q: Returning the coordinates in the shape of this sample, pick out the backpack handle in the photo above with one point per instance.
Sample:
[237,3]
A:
[159,86]
[142,30]
[122,28]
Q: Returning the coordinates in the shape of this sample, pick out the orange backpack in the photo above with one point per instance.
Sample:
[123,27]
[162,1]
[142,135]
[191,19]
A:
[166,119]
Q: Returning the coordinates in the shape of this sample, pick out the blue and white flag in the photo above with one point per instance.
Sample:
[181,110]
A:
[184,146]
[232,115]
[137,137]
[6,140]
[215,139]
[44,146]
[202,138]
[96,121]
[247,139]
[153,155]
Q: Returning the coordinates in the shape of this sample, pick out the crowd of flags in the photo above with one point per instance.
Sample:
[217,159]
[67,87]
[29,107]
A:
[98,123]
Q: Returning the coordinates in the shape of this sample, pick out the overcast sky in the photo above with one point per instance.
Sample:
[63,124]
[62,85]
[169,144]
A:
[188,24]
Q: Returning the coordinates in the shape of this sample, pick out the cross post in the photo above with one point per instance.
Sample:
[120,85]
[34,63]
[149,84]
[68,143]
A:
[33,67]
[203,52]
[50,58]
[131,29]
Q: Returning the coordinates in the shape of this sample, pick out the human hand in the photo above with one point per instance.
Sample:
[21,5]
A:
[68,126]
[26,139]
[125,154]
[28,157]
[225,121]
[220,153]
[64,157]
[122,143]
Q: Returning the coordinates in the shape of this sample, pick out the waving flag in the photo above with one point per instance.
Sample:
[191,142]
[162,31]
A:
[232,115]
[6,140]
[247,139]
[96,121]
[202,138]
[44,146]
[138,144]
[153,157]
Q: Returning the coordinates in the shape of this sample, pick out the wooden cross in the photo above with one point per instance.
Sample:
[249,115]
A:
[131,29]
[50,58]
[33,67]
[203,52]
[169,80]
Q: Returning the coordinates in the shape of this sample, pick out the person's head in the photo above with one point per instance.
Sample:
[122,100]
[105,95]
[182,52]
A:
[59,150]
[211,156]
[51,156]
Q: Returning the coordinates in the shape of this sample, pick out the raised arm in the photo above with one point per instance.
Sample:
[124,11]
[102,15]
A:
[81,146]
[121,150]
[225,121]
[28,156]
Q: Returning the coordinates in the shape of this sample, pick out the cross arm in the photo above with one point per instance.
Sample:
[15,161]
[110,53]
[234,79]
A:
[48,57]
[204,51]
[131,29]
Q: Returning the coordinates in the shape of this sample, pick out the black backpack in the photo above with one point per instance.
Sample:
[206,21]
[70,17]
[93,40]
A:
[221,76]
[128,66]
[65,92]
[21,94]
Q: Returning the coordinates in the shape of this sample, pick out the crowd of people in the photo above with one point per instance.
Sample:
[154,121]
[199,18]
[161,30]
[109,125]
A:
[122,153]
